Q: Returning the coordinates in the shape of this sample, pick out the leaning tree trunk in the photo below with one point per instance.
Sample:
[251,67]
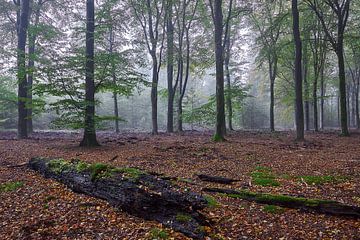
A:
[142,194]
[21,74]
[299,112]
[89,139]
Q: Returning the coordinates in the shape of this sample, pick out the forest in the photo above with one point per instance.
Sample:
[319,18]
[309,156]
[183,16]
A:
[179,119]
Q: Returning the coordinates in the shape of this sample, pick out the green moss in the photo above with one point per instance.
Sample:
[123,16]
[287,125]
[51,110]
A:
[262,176]
[186,180]
[156,233]
[278,199]
[211,202]
[99,170]
[218,138]
[273,209]
[10,186]
[130,172]
[181,217]
[319,180]
[82,166]
[59,165]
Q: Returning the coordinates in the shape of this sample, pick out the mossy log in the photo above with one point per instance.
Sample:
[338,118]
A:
[132,190]
[307,204]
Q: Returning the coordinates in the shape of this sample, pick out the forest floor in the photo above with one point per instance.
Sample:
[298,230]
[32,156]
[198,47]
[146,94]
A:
[327,166]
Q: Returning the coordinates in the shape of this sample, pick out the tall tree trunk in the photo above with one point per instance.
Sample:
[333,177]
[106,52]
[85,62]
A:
[342,88]
[113,73]
[31,64]
[154,95]
[228,84]
[315,103]
[272,75]
[220,99]
[322,101]
[21,64]
[306,84]
[299,111]
[357,114]
[89,139]
[170,67]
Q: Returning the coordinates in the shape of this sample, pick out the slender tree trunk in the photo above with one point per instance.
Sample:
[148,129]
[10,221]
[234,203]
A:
[357,114]
[322,93]
[154,96]
[89,139]
[170,68]
[31,64]
[272,74]
[299,111]
[342,89]
[113,73]
[306,85]
[315,103]
[220,99]
[228,85]
[21,74]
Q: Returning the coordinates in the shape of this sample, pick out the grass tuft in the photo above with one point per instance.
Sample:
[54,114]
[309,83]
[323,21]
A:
[10,186]
[156,233]
[262,176]
[273,209]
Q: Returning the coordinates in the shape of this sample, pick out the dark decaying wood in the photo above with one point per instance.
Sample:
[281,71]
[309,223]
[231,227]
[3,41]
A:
[216,179]
[146,196]
[313,205]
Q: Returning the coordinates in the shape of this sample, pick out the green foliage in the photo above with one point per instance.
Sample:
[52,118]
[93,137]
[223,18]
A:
[181,217]
[10,186]
[59,165]
[273,209]
[211,202]
[319,180]
[8,102]
[263,176]
[157,234]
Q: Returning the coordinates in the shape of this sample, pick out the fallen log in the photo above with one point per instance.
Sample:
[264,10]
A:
[132,190]
[216,179]
[307,204]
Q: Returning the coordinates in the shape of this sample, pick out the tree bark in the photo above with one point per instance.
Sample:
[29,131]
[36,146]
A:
[228,84]
[306,84]
[170,67]
[21,73]
[299,112]
[124,188]
[322,101]
[220,99]
[342,88]
[89,139]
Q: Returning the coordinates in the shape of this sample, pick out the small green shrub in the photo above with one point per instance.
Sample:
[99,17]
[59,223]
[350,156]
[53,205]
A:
[10,186]
[211,202]
[156,233]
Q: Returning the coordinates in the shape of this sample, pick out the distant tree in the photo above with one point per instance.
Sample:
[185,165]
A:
[170,65]
[269,23]
[339,14]
[299,112]
[89,139]
[150,15]
[23,23]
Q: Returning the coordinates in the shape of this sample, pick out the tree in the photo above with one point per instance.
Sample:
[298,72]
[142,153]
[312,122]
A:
[299,112]
[340,13]
[217,14]
[89,139]
[269,23]
[21,74]
[170,65]
[33,34]
[150,16]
